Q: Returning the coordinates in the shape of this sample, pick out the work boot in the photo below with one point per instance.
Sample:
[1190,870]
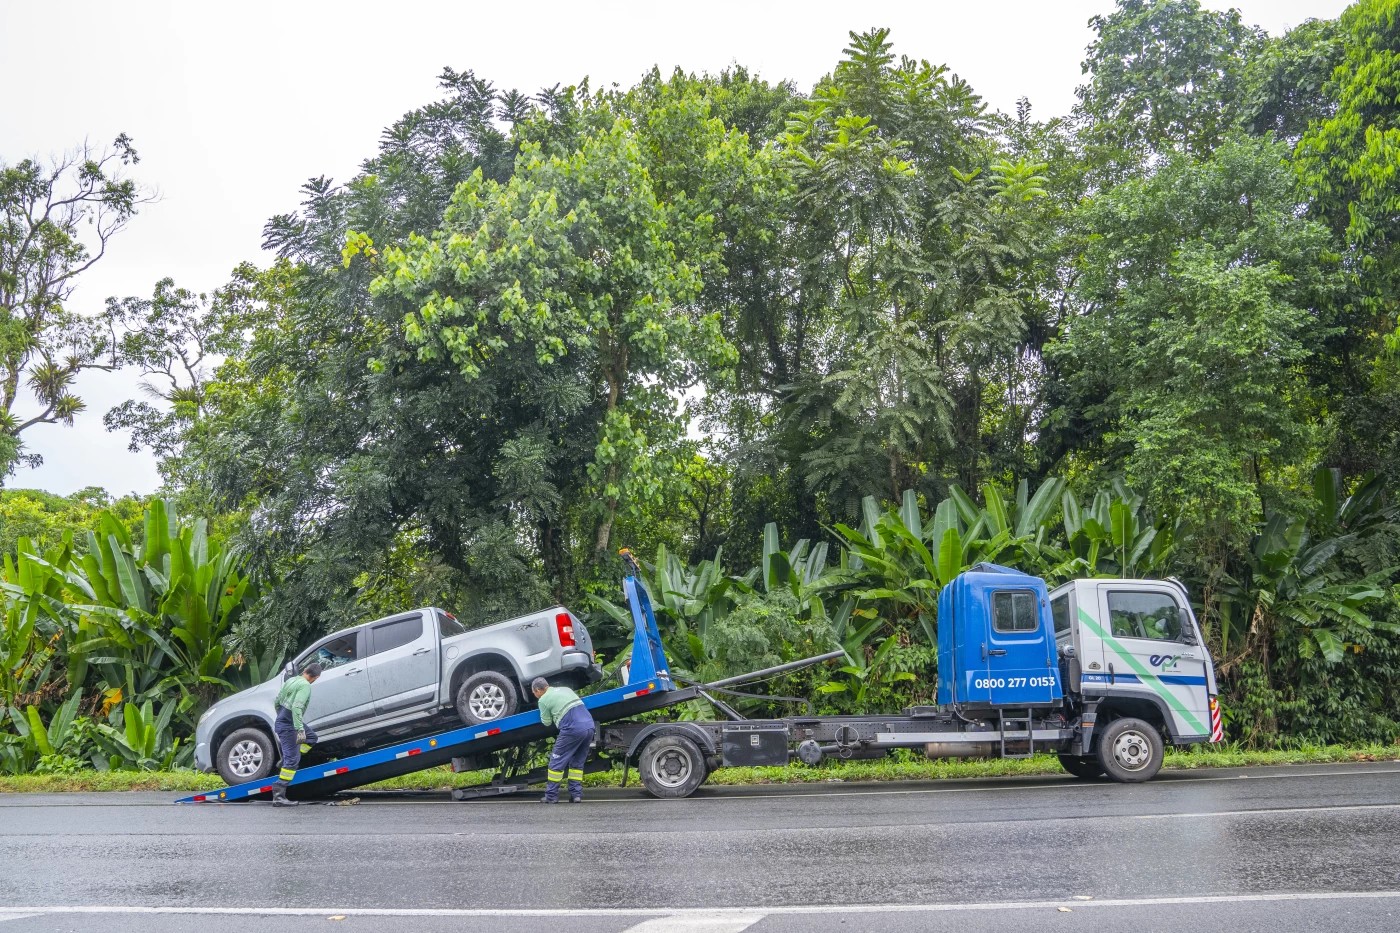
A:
[576,798]
[548,799]
[279,797]
[551,792]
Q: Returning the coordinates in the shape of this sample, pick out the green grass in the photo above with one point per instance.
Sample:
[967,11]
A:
[883,769]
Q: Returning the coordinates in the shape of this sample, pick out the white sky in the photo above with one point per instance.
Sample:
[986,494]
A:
[233,106]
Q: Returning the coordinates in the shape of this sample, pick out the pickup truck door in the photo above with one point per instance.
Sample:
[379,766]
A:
[403,663]
[1150,646]
[340,695]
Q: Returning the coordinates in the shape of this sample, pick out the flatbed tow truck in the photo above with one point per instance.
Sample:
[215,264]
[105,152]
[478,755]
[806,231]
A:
[1103,673]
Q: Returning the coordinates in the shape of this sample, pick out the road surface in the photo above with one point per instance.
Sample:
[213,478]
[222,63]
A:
[1267,849]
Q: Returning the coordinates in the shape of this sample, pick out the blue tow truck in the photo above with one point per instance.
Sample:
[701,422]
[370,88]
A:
[1103,673]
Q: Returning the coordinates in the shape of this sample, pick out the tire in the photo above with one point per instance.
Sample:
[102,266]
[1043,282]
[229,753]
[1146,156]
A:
[485,697]
[671,766]
[1082,766]
[1130,751]
[247,754]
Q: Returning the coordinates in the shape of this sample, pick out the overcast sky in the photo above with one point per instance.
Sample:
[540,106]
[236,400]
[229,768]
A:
[233,106]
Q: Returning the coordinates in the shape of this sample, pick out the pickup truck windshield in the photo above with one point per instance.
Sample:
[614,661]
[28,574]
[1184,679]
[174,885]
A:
[448,626]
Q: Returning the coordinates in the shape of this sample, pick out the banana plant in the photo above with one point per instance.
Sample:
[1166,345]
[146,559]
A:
[36,625]
[1117,535]
[141,740]
[901,560]
[1290,586]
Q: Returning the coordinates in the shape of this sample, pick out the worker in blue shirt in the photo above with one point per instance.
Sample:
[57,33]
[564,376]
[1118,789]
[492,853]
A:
[562,707]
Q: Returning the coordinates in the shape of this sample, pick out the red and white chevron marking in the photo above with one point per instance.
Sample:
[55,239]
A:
[1217,729]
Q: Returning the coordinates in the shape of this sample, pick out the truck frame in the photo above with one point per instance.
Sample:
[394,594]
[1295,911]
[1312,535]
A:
[1021,671]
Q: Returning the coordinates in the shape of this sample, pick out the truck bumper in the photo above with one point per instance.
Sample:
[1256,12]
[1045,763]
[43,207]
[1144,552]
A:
[580,661]
[203,760]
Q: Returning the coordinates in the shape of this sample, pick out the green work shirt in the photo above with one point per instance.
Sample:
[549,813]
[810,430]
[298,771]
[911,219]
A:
[294,695]
[555,703]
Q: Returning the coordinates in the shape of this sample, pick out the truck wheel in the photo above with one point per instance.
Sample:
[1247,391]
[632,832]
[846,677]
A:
[1130,751]
[486,696]
[1081,766]
[245,755]
[671,766]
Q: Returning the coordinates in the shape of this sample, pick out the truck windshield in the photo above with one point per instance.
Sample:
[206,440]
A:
[448,626]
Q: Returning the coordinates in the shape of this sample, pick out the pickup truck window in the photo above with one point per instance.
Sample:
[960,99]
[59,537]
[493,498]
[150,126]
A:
[1144,615]
[396,633]
[448,626]
[1059,611]
[336,651]
[1014,611]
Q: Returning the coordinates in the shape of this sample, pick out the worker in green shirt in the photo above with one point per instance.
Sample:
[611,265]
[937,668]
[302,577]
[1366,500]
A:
[560,706]
[293,734]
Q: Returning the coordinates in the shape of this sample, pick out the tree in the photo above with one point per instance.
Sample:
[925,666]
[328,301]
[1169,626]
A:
[1349,162]
[1350,159]
[1165,76]
[46,211]
[570,270]
[173,338]
[1196,310]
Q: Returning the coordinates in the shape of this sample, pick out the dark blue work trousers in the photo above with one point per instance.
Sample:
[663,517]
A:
[286,734]
[576,730]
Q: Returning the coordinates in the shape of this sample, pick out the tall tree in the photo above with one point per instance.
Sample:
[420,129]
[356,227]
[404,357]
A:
[1164,76]
[1196,308]
[56,221]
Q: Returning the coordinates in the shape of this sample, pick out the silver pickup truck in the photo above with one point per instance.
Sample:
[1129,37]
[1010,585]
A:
[399,676]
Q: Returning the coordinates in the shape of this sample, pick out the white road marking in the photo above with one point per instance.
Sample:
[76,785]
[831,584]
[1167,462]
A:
[716,912]
[6,915]
[697,923]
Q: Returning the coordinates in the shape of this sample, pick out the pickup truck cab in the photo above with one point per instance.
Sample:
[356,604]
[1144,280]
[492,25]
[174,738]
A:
[398,676]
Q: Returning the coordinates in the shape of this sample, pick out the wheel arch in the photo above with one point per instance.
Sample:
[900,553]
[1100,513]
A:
[241,721]
[487,659]
[687,729]
[1147,707]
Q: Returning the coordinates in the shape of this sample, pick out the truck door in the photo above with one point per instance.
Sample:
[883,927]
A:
[1020,649]
[340,695]
[1151,647]
[403,664]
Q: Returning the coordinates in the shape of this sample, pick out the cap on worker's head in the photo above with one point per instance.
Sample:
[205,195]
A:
[313,670]
[539,685]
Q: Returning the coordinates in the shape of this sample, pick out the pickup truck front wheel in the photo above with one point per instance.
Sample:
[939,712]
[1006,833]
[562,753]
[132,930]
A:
[486,696]
[246,755]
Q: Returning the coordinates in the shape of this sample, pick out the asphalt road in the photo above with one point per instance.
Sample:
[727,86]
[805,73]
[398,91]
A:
[1277,850]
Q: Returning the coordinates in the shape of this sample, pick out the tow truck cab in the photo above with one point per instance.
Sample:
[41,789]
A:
[1103,649]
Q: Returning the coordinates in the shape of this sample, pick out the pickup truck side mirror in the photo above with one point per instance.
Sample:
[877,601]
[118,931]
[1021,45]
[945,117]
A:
[290,670]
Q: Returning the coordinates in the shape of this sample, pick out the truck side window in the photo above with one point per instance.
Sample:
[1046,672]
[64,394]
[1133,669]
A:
[1059,611]
[1014,611]
[335,652]
[394,634]
[1144,615]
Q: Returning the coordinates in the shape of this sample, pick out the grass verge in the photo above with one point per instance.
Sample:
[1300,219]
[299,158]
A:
[883,769]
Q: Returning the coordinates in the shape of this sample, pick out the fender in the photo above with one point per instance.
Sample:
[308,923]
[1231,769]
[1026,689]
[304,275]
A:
[1130,692]
[688,729]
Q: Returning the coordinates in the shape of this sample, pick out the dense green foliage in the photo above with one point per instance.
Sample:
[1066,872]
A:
[817,350]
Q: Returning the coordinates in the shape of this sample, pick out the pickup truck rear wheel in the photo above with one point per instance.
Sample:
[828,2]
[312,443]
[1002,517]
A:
[1130,751]
[245,755]
[486,696]
[672,766]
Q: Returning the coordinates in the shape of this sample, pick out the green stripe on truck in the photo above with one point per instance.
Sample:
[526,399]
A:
[1147,677]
